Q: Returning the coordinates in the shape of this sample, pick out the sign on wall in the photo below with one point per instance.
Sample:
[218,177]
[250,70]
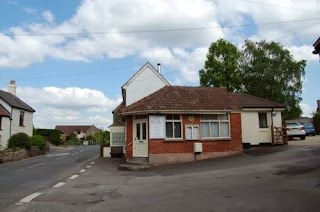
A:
[156,125]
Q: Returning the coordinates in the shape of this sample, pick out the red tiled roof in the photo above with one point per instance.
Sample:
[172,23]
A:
[182,98]
[68,129]
[4,112]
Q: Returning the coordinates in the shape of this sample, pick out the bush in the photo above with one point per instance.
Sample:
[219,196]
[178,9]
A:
[55,137]
[316,122]
[38,141]
[19,140]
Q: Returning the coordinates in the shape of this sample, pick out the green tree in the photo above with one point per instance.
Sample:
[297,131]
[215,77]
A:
[101,137]
[221,66]
[270,71]
[55,137]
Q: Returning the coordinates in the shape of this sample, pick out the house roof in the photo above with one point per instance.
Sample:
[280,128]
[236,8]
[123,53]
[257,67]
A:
[14,101]
[3,111]
[196,99]
[316,46]
[68,129]
[140,70]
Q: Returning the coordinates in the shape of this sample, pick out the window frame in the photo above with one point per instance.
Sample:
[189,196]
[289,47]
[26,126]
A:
[192,126]
[173,121]
[21,118]
[0,122]
[211,121]
[118,136]
[266,126]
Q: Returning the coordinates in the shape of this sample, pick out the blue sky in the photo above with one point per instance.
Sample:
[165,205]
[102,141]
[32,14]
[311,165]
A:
[70,58]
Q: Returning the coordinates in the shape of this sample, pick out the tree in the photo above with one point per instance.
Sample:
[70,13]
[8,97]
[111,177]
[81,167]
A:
[101,137]
[221,66]
[263,69]
[55,137]
[268,70]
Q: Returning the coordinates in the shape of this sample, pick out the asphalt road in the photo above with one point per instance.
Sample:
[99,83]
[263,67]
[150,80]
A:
[21,178]
[281,178]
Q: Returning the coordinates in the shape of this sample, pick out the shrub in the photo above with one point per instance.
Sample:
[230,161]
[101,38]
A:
[19,140]
[38,141]
[55,137]
[316,122]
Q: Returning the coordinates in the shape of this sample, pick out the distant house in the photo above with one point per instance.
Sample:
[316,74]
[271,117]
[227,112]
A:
[81,131]
[179,123]
[316,46]
[15,115]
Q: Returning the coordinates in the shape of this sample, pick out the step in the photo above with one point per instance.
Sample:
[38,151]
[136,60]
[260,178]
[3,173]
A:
[135,167]
[138,161]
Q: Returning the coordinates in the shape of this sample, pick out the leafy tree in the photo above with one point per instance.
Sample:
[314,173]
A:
[101,137]
[55,137]
[221,66]
[263,69]
[269,71]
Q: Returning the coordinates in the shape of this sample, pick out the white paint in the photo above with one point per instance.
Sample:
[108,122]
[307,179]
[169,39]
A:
[146,81]
[88,167]
[58,184]
[15,128]
[30,197]
[58,154]
[30,167]
[60,158]
[107,152]
[82,170]
[74,153]
[92,162]
[140,145]
[251,133]
[73,177]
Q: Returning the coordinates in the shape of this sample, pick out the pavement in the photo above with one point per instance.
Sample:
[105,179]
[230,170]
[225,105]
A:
[281,178]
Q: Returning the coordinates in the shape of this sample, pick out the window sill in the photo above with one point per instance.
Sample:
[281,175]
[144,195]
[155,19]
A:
[215,139]
[174,140]
[21,126]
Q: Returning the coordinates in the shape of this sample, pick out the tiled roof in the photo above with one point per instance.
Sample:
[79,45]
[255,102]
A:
[182,98]
[14,101]
[68,129]
[3,111]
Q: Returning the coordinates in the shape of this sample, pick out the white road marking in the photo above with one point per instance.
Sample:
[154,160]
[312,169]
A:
[30,167]
[58,154]
[30,197]
[19,203]
[74,153]
[60,158]
[88,167]
[73,177]
[82,170]
[92,162]
[58,184]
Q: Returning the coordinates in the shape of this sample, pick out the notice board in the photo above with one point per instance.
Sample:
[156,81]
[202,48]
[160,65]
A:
[156,126]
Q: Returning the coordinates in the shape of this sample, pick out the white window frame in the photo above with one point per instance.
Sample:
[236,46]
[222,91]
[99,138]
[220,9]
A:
[266,116]
[219,121]
[192,127]
[173,132]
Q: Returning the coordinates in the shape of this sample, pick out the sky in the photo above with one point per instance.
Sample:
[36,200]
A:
[70,58]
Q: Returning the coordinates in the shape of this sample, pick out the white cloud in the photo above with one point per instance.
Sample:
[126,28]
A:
[48,16]
[68,106]
[306,110]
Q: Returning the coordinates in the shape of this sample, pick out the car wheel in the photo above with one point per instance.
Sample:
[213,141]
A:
[303,137]
[313,134]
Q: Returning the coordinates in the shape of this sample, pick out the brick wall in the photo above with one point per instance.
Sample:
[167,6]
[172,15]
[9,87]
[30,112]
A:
[129,137]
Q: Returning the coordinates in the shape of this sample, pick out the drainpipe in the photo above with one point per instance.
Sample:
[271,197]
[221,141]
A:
[272,131]
[10,123]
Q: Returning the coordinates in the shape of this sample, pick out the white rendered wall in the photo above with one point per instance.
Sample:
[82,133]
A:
[4,132]
[28,122]
[251,133]
[146,82]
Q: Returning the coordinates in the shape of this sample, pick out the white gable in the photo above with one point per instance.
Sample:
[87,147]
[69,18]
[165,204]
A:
[145,82]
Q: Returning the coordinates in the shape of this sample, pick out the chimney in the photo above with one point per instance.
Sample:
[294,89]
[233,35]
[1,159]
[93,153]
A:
[318,108]
[159,68]
[12,88]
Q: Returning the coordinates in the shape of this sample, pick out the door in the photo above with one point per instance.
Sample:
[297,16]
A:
[140,143]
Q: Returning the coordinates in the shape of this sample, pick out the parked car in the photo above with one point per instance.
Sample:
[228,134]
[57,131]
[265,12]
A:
[295,129]
[309,128]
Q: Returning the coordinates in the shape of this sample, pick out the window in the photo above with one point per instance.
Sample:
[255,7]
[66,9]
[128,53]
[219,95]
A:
[173,126]
[215,126]
[21,120]
[192,132]
[263,123]
[118,139]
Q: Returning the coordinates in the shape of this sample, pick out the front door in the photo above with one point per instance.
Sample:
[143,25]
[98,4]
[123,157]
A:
[140,143]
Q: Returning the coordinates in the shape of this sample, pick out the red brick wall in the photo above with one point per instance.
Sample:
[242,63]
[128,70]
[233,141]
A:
[129,137]
[159,146]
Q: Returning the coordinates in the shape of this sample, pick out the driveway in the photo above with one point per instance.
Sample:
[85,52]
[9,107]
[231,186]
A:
[282,178]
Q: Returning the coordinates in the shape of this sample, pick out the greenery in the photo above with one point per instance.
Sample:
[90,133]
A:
[19,140]
[54,137]
[221,66]
[38,141]
[316,122]
[263,69]
[101,137]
